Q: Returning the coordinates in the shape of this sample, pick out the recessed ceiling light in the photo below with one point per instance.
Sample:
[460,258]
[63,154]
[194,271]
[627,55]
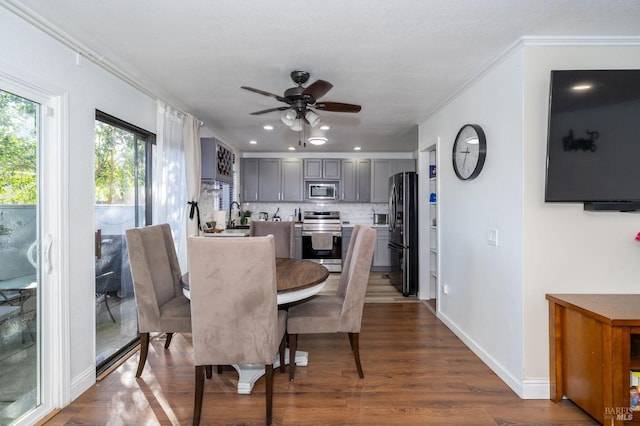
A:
[324,127]
[253,142]
[291,148]
[317,140]
[581,87]
[267,127]
[357,148]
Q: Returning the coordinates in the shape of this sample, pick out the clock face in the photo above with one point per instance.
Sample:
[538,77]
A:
[469,151]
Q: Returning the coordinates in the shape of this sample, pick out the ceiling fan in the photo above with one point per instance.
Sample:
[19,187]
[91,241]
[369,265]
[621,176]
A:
[300,100]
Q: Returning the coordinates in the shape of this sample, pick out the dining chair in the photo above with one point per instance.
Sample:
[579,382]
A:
[235,317]
[161,305]
[283,232]
[342,312]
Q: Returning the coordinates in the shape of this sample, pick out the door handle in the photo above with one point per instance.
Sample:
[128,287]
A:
[98,243]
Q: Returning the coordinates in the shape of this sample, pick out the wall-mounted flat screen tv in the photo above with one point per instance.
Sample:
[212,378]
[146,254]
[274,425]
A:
[593,141]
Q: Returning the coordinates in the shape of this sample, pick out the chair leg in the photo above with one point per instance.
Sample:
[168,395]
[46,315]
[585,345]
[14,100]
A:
[268,370]
[292,355]
[106,303]
[354,339]
[167,342]
[144,350]
[197,402]
[219,369]
[281,352]
[208,371]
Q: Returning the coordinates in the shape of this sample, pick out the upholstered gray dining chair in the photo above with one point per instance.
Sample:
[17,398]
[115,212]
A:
[283,232]
[161,305]
[342,312]
[235,317]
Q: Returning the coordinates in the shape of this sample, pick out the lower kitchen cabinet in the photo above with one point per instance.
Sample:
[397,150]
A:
[381,257]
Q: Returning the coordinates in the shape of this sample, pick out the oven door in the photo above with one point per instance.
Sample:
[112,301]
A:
[321,245]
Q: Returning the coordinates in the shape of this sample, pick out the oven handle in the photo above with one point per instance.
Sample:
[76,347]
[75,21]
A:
[333,233]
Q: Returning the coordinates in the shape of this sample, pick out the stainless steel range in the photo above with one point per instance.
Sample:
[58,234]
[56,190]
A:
[322,239]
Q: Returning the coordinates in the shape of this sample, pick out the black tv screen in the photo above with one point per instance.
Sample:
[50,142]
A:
[593,142]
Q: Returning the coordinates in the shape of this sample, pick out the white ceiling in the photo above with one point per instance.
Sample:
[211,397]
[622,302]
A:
[399,59]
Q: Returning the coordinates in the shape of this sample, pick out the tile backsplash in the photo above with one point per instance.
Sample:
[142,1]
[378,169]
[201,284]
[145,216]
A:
[352,212]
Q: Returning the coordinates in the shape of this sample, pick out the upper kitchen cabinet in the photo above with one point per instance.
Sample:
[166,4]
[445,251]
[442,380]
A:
[271,179]
[249,178]
[356,180]
[381,170]
[216,160]
[292,188]
[322,169]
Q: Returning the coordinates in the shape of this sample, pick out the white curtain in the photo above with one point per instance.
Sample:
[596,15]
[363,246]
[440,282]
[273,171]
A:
[169,186]
[193,166]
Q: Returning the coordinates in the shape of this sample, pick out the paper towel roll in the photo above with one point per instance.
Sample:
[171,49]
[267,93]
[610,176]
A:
[220,216]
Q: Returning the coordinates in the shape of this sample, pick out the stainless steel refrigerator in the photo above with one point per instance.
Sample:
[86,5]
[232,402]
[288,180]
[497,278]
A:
[403,232]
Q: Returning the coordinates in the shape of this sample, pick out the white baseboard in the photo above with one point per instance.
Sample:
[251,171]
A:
[82,382]
[525,389]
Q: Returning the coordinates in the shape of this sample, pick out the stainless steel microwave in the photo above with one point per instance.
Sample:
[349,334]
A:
[323,191]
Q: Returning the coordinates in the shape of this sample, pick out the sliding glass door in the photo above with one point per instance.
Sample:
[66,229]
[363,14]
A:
[123,197]
[20,313]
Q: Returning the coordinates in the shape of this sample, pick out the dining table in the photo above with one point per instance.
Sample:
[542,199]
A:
[296,279]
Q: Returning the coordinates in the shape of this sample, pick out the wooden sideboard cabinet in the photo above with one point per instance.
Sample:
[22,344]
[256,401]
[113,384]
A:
[593,341]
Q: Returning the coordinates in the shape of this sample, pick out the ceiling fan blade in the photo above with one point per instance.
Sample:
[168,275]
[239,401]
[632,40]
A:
[264,111]
[318,89]
[262,92]
[337,107]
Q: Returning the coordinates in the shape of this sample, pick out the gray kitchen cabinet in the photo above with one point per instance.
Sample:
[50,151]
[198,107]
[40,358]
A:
[298,241]
[381,254]
[207,158]
[346,238]
[270,179]
[292,188]
[356,180]
[381,170]
[216,161]
[249,178]
[315,168]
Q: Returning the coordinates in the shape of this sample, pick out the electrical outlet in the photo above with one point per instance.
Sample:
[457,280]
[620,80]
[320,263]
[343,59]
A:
[445,289]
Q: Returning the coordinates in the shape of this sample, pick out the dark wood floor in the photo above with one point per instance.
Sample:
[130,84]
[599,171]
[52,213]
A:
[416,373]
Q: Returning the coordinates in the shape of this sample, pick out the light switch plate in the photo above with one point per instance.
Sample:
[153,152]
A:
[492,237]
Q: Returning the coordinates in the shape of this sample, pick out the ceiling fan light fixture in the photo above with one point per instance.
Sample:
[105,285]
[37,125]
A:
[317,140]
[288,117]
[312,118]
[297,125]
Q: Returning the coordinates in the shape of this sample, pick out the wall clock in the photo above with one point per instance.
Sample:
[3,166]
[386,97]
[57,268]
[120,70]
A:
[469,151]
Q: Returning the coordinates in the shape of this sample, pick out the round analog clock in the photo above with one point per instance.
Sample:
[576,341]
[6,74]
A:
[469,151]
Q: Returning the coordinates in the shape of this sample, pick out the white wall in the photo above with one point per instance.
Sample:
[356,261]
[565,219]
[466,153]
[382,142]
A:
[33,57]
[496,302]
[567,250]
[484,304]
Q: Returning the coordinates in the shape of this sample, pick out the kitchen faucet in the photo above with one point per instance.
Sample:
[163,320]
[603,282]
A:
[231,207]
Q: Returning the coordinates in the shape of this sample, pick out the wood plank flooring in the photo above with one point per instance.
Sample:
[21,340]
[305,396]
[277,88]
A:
[417,372]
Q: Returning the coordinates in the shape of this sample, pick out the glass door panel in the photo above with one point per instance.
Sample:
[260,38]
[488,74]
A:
[120,191]
[19,275]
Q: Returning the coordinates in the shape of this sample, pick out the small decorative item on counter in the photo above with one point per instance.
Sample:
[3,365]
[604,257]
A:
[244,217]
[432,197]
[432,171]
[638,237]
